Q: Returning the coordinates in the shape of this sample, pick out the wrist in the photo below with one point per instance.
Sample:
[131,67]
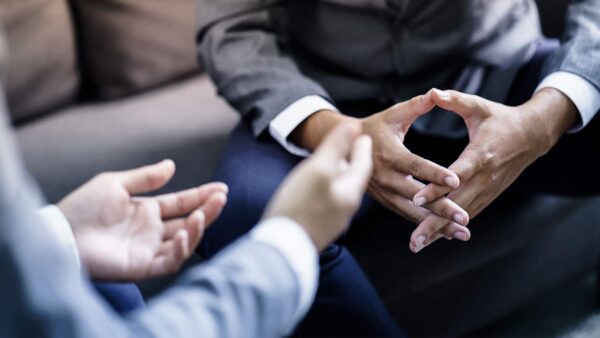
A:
[311,131]
[551,113]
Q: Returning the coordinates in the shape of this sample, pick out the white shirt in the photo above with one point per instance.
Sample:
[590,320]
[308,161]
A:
[584,95]
[283,234]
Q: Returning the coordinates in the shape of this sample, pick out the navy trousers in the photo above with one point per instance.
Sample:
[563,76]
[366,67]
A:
[122,297]
[346,303]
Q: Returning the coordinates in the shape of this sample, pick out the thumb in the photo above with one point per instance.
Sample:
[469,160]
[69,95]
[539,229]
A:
[407,112]
[336,146]
[462,104]
[148,178]
[353,182]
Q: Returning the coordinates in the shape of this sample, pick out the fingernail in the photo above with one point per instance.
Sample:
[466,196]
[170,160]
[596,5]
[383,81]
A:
[442,94]
[416,248]
[420,240]
[458,218]
[419,201]
[461,236]
[420,247]
[451,181]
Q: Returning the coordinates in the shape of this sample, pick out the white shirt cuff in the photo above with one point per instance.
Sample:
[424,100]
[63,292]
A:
[290,239]
[584,95]
[290,118]
[61,230]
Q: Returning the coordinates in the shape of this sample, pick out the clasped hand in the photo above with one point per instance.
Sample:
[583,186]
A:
[503,141]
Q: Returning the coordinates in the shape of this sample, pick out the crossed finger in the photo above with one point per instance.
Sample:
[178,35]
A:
[466,196]
[407,187]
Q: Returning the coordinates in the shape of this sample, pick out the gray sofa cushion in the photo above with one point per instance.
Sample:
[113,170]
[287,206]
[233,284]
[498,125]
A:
[185,122]
[132,45]
[42,73]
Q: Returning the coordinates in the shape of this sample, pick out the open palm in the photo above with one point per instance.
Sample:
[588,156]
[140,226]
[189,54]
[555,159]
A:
[122,237]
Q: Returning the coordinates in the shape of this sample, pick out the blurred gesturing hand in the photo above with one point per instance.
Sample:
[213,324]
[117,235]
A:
[127,238]
[503,141]
[323,192]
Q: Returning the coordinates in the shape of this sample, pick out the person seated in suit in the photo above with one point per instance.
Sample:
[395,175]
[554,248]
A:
[295,69]
[261,286]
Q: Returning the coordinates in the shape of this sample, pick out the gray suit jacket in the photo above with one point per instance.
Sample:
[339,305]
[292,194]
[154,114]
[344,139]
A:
[265,54]
[247,291]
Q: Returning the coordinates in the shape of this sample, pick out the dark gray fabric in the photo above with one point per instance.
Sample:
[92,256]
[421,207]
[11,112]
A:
[185,122]
[243,56]
[553,16]
[580,50]
[129,45]
[521,246]
[43,73]
[264,60]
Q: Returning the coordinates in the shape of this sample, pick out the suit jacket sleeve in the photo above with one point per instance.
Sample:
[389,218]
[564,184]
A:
[240,49]
[248,291]
[580,49]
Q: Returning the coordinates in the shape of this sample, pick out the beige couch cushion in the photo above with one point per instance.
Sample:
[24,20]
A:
[133,45]
[2,55]
[42,67]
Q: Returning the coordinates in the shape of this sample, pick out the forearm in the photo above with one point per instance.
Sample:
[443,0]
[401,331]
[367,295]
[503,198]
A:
[229,295]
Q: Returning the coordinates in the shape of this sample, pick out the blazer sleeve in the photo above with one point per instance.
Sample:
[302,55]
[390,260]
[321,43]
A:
[247,291]
[241,48]
[580,49]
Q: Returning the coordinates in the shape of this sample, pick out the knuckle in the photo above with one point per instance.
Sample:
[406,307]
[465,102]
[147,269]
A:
[482,107]
[462,176]
[152,180]
[180,204]
[381,179]
[488,158]
[453,95]
[447,210]
[415,168]
[433,227]
[383,157]
[446,231]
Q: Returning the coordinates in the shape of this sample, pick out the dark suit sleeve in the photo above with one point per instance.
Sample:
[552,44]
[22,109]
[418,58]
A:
[240,48]
[580,49]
